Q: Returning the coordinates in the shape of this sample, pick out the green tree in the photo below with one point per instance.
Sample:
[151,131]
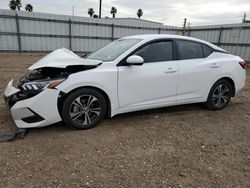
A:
[29,8]
[15,4]
[139,13]
[95,16]
[113,11]
[91,12]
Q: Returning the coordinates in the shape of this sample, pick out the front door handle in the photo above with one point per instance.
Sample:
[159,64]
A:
[170,70]
[215,65]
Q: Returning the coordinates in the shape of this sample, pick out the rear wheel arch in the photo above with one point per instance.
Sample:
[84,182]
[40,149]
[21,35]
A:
[65,95]
[220,94]
[230,80]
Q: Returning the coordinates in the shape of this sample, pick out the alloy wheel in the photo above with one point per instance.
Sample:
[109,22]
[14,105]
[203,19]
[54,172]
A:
[85,109]
[220,95]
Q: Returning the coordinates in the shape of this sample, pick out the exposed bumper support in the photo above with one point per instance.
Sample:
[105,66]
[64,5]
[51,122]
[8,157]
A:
[10,90]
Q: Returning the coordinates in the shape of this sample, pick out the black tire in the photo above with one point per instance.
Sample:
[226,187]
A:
[221,91]
[80,109]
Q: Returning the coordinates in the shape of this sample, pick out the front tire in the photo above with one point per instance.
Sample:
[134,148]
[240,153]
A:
[84,108]
[219,95]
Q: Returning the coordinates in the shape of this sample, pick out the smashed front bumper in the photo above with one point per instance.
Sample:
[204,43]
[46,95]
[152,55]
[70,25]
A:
[37,111]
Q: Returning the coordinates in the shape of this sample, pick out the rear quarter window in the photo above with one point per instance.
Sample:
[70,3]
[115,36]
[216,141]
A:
[207,51]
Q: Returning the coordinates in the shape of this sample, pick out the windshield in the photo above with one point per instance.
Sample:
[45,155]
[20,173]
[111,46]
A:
[113,50]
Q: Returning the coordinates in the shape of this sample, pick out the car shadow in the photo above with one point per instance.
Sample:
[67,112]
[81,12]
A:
[173,110]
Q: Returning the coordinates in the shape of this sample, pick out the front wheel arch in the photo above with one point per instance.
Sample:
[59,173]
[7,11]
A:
[63,96]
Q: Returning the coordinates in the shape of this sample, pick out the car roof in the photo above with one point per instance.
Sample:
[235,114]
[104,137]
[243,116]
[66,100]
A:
[149,37]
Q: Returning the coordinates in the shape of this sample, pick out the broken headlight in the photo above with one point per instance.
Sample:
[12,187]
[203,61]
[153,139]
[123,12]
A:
[40,85]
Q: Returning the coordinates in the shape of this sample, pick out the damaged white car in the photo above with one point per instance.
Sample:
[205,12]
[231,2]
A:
[129,74]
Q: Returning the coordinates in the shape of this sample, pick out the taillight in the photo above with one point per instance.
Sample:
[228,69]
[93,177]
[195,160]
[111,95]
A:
[243,64]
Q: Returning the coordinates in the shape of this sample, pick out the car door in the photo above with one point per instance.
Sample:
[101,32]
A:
[196,69]
[154,82]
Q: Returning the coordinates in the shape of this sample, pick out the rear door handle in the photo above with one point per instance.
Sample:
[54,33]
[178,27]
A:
[170,70]
[215,65]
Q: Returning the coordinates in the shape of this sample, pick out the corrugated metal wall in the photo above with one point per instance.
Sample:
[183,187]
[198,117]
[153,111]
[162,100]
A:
[235,38]
[35,32]
[39,32]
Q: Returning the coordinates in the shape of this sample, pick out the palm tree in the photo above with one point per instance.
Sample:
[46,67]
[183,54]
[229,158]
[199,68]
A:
[15,4]
[29,8]
[113,11]
[91,12]
[139,13]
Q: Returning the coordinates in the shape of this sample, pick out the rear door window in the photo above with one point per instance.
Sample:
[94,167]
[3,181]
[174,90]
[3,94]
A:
[189,50]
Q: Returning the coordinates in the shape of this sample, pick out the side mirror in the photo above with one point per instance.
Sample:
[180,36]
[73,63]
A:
[135,60]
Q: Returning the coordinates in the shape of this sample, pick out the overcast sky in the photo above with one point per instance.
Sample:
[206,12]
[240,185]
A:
[169,12]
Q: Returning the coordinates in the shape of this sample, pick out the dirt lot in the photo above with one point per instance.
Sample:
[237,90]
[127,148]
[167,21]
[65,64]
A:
[184,146]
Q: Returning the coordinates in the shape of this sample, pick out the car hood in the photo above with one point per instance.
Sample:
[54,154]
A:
[61,58]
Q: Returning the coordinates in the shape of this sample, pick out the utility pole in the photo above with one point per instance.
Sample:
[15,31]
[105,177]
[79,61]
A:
[73,11]
[184,26]
[244,17]
[100,8]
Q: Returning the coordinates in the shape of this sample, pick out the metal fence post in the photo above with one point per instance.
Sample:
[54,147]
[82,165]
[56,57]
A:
[219,37]
[189,32]
[70,35]
[240,28]
[18,34]
[112,32]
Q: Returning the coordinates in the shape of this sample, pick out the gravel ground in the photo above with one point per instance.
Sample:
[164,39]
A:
[183,146]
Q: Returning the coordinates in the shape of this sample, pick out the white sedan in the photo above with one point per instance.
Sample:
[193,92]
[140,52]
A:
[132,73]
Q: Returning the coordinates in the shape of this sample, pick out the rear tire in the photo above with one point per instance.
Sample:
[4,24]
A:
[219,95]
[84,108]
